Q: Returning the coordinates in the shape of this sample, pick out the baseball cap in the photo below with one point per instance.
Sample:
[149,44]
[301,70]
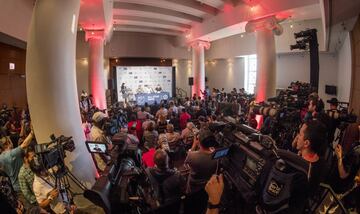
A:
[98,116]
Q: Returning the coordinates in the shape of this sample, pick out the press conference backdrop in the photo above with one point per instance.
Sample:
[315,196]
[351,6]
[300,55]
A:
[133,76]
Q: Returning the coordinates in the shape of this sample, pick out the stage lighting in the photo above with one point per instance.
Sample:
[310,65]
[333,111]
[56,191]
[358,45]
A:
[305,33]
[299,45]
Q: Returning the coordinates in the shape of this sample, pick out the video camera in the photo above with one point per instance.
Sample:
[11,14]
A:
[257,173]
[342,113]
[120,188]
[53,153]
[5,115]
[117,119]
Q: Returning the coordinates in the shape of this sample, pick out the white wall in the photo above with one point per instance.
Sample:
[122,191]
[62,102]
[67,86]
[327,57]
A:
[221,73]
[293,67]
[82,74]
[15,16]
[225,73]
[344,71]
[132,44]
[183,72]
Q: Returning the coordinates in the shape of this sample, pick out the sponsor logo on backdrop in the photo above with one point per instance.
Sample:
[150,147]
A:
[133,76]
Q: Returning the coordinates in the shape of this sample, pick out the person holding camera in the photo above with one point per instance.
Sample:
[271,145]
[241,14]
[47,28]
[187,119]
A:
[26,178]
[200,162]
[202,167]
[98,135]
[334,123]
[214,188]
[167,183]
[11,160]
[46,190]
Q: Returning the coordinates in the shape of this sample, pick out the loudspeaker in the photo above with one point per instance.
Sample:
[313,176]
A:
[330,89]
[191,81]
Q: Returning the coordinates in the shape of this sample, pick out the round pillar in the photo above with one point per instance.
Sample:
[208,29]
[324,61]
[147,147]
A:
[265,29]
[51,80]
[198,66]
[266,65]
[96,71]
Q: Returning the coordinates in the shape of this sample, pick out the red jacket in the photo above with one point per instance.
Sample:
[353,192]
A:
[184,118]
[148,158]
[138,128]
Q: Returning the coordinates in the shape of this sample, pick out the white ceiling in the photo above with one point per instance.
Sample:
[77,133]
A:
[176,17]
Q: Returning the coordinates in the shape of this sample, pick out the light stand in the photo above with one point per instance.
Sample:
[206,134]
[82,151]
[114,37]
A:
[309,42]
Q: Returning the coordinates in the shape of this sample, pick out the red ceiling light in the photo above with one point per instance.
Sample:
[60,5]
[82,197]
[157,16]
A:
[251,2]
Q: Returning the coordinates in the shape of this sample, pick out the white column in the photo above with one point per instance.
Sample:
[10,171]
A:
[266,55]
[51,80]
[96,71]
[198,66]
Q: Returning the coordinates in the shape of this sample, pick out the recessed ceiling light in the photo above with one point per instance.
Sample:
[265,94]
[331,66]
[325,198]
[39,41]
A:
[92,33]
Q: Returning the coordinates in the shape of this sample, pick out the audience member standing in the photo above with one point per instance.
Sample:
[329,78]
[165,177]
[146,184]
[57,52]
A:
[11,161]
[26,179]
[201,164]
[184,119]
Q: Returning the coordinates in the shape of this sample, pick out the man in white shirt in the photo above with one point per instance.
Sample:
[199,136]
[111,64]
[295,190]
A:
[45,191]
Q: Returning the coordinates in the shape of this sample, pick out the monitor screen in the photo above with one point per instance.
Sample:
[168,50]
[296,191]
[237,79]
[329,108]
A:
[220,153]
[96,147]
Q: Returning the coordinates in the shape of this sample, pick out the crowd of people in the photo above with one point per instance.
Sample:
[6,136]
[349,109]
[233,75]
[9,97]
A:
[177,149]
[179,127]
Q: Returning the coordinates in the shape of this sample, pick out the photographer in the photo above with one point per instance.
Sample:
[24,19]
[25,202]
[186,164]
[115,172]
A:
[11,160]
[334,123]
[98,135]
[26,178]
[214,188]
[168,183]
[201,164]
[310,144]
[46,190]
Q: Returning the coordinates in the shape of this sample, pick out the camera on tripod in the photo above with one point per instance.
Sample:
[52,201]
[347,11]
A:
[50,157]
[120,188]
[53,153]
[117,119]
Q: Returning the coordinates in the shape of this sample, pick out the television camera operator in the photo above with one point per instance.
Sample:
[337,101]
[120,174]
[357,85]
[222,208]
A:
[310,144]
[47,192]
[98,134]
